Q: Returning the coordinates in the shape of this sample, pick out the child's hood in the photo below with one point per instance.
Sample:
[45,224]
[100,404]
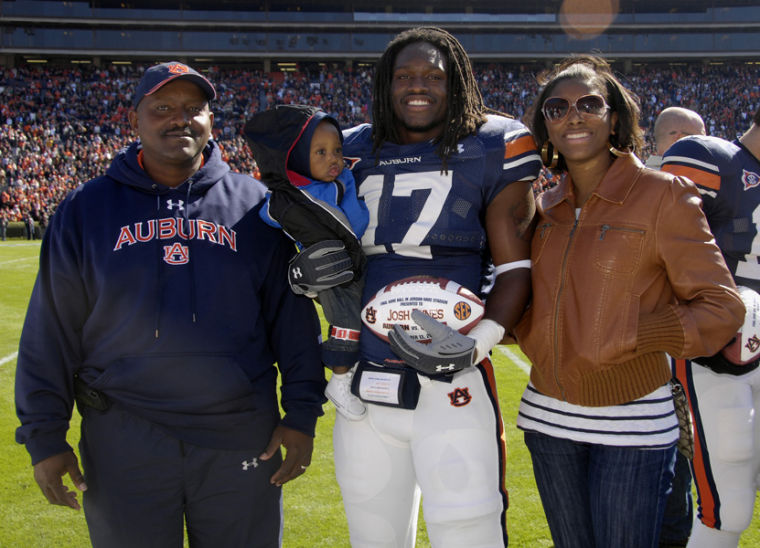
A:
[273,136]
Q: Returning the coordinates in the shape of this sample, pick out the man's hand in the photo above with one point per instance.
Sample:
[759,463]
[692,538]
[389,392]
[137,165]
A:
[318,267]
[298,448]
[448,351]
[48,474]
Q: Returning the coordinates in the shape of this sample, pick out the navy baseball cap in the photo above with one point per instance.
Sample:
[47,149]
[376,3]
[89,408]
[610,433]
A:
[159,75]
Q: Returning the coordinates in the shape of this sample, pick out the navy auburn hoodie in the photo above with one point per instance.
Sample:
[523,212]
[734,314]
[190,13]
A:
[174,302]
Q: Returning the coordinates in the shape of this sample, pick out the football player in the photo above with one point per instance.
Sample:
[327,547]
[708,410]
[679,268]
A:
[448,187]
[723,390]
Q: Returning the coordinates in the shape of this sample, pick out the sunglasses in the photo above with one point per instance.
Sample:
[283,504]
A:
[556,109]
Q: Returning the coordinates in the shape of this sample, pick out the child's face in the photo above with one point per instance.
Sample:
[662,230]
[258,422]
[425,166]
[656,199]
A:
[325,153]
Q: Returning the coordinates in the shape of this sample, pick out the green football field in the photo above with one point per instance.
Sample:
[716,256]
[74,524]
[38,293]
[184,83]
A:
[313,508]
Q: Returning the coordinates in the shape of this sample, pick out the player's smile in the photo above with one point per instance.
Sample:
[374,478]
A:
[419,92]
[415,102]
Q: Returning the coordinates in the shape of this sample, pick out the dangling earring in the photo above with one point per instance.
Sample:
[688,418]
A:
[615,151]
[549,155]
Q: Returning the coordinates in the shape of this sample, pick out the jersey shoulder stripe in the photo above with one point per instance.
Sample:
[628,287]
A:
[698,176]
[515,144]
[704,160]
[519,144]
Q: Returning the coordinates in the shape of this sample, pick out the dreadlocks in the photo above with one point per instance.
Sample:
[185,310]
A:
[465,108]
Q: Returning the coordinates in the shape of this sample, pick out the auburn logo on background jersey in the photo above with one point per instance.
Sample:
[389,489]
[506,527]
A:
[753,343]
[460,397]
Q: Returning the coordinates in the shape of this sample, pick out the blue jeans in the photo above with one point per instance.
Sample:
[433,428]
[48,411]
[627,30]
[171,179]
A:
[601,496]
[679,510]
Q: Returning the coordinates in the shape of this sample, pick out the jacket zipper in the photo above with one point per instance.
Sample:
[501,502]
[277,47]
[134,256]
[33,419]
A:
[605,228]
[556,309]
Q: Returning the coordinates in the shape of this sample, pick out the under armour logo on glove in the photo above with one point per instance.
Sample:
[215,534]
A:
[448,351]
[320,266]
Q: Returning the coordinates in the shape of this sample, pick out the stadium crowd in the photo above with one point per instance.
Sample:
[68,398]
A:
[60,126]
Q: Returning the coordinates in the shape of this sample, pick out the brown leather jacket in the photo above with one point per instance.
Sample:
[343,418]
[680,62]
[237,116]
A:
[637,275]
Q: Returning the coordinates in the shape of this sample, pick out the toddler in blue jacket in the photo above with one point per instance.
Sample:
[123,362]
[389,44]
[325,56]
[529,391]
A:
[299,152]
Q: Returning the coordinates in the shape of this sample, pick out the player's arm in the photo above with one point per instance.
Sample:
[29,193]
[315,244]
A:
[510,222]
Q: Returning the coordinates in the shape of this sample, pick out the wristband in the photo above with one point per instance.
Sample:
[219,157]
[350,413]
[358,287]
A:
[487,334]
[506,267]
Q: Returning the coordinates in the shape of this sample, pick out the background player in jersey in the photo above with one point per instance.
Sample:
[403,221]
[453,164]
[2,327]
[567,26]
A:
[299,152]
[672,124]
[162,304]
[624,270]
[448,186]
[725,397]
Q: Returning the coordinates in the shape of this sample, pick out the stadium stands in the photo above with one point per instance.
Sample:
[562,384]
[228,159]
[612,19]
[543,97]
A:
[60,126]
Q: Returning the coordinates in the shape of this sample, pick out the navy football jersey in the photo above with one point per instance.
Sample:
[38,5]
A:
[425,221]
[728,178]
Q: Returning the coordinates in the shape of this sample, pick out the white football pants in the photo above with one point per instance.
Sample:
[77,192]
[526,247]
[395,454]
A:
[450,450]
[726,465]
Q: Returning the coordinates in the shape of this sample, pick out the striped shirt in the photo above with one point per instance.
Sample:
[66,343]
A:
[649,421]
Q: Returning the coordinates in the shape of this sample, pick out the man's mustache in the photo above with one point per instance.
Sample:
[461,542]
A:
[180,132]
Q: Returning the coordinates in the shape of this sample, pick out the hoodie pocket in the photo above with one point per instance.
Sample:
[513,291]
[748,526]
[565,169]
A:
[179,383]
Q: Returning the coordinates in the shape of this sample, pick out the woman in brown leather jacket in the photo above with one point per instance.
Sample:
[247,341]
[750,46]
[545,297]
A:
[624,270]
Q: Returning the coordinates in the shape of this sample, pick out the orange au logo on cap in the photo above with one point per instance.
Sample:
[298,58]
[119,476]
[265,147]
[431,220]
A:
[177,68]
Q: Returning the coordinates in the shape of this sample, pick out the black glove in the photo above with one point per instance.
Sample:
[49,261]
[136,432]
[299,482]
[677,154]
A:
[448,351]
[320,266]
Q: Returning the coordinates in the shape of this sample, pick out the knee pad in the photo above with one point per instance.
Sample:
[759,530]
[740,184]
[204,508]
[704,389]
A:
[736,442]
[486,531]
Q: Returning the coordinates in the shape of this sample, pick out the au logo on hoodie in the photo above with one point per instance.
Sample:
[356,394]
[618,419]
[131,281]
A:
[176,254]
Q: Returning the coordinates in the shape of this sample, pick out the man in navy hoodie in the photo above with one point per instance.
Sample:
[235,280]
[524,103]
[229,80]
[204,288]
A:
[160,307]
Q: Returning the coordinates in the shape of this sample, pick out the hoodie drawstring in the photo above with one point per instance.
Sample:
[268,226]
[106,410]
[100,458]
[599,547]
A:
[159,269]
[193,288]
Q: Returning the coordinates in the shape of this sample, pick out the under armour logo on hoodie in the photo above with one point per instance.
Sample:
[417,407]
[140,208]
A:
[179,205]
